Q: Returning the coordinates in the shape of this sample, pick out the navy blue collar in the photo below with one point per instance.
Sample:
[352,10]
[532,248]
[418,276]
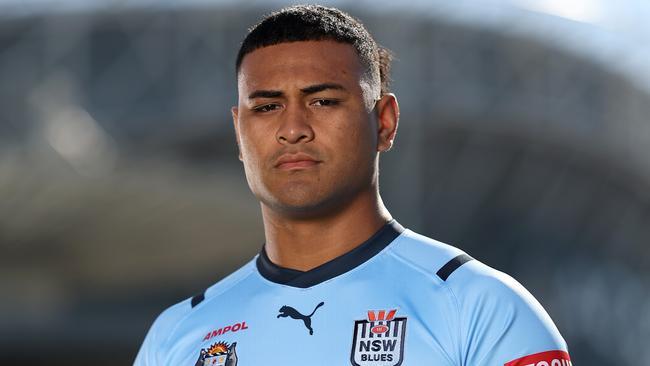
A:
[333,268]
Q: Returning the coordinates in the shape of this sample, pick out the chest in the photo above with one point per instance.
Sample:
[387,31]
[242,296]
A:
[317,329]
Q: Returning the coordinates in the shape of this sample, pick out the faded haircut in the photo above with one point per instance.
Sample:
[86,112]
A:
[319,23]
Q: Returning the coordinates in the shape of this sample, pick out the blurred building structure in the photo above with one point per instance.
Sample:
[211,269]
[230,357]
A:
[524,140]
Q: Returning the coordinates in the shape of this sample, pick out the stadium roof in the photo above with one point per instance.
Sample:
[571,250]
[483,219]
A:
[612,33]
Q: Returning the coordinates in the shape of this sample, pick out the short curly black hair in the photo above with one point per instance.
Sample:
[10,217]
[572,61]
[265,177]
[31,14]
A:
[318,23]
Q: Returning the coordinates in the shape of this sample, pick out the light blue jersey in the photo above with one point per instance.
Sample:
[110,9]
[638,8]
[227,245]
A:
[398,299]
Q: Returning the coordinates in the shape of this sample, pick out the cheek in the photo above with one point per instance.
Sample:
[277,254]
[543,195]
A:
[252,152]
[253,167]
[353,146]
[248,150]
[357,139]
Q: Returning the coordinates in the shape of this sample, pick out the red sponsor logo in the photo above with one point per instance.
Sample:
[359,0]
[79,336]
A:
[548,358]
[378,329]
[229,328]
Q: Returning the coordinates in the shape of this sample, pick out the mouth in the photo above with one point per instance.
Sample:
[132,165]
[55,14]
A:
[296,162]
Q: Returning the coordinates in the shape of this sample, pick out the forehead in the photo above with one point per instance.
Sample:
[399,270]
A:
[300,62]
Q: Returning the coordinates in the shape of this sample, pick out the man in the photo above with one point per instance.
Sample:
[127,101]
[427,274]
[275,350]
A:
[338,281]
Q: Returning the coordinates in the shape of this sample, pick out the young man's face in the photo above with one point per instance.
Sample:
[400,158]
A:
[306,128]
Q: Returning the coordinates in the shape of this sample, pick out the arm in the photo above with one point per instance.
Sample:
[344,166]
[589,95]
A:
[501,322]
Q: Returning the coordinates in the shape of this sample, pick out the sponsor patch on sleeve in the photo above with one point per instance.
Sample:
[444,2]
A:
[548,358]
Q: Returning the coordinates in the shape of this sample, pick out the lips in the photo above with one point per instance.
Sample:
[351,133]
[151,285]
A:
[296,161]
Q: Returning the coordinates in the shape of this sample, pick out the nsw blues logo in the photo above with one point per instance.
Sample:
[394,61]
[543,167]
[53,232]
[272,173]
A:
[379,339]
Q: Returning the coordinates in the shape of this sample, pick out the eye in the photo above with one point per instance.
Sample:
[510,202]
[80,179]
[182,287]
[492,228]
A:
[266,108]
[325,102]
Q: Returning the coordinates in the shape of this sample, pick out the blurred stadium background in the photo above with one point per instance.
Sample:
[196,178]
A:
[525,140]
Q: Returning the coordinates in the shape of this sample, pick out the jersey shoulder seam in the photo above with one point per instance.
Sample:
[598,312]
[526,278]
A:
[461,341]
[412,265]
[250,270]
[207,299]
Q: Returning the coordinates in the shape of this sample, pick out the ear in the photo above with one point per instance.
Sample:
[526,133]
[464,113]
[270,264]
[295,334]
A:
[235,121]
[387,121]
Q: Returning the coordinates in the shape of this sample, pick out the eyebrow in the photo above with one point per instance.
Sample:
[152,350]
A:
[306,90]
[320,87]
[265,94]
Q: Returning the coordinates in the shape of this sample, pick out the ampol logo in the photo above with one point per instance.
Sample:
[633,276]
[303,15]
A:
[229,328]
[548,358]
[379,339]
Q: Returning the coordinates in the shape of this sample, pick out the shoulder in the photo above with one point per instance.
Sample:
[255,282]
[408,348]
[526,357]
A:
[481,289]
[469,279]
[224,285]
[476,281]
[228,283]
[428,256]
[165,324]
[499,320]
[466,277]
[149,353]
[485,293]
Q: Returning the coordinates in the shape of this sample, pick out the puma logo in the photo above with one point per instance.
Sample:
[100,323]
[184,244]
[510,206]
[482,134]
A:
[286,311]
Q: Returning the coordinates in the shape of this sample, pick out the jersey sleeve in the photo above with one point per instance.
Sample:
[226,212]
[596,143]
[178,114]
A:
[501,323]
[151,351]
[148,353]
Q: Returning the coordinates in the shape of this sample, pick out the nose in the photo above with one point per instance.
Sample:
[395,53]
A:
[295,126]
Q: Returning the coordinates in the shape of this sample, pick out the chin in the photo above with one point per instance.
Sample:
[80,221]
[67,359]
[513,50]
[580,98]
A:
[296,204]
[308,199]
[303,205]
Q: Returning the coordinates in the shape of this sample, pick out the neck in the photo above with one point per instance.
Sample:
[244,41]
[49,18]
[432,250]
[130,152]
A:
[303,244]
